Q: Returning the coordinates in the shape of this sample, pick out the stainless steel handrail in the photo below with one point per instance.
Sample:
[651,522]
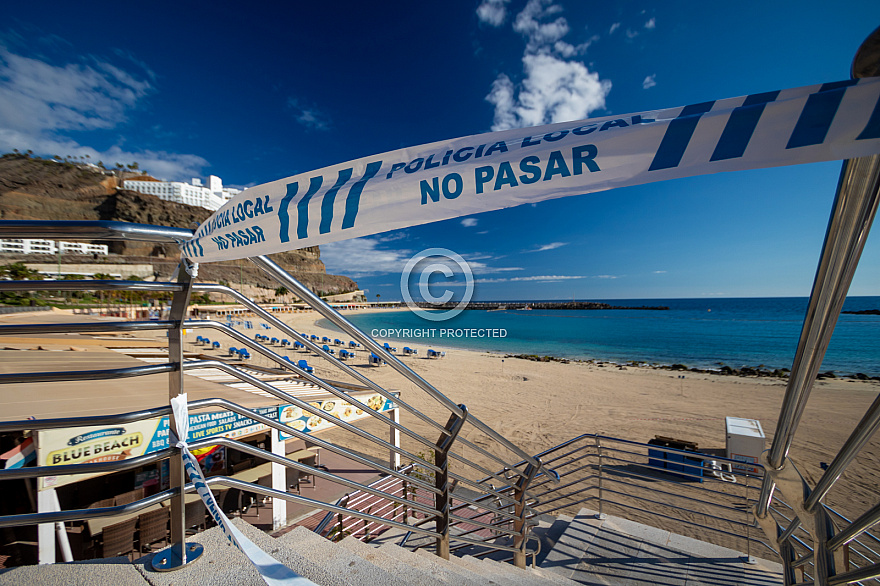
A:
[860,436]
[277,323]
[85,328]
[175,368]
[80,375]
[90,285]
[289,365]
[854,209]
[579,484]
[243,376]
[92,230]
[80,514]
[353,495]
[62,422]
[293,464]
[265,491]
[92,468]
[217,402]
[346,326]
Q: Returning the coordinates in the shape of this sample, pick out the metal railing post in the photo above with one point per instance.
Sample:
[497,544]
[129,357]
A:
[520,525]
[601,514]
[823,560]
[749,521]
[178,554]
[441,481]
[405,498]
[855,205]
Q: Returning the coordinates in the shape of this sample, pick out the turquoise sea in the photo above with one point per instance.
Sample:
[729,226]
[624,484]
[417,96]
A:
[703,333]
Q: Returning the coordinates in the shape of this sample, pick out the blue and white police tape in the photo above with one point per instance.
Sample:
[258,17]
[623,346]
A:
[484,172]
[273,572]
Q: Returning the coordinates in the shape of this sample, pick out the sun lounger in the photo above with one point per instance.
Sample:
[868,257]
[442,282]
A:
[407,351]
[376,361]
[304,366]
[435,354]
[328,349]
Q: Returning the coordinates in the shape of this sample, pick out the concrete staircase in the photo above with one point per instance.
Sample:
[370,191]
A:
[579,550]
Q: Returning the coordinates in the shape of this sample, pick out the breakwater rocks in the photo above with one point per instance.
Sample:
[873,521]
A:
[863,312]
[724,370]
[530,305]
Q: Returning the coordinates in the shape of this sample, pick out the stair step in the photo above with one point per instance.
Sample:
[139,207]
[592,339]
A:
[507,573]
[431,564]
[220,558]
[291,556]
[318,559]
[552,577]
[390,563]
[572,545]
[455,566]
[84,573]
[617,551]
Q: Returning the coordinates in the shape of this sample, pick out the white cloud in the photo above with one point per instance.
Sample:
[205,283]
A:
[631,34]
[651,24]
[360,257]
[659,272]
[555,88]
[308,116]
[37,97]
[469,222]
[613,28]
[492,12]
[392,236]
[649,82]
[41,102]
[540,34]
[551,246]
[537,278]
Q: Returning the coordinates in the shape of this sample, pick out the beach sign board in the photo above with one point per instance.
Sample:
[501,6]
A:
[484,172]
[109,443]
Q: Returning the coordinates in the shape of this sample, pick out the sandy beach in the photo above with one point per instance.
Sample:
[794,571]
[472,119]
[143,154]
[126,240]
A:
[538,405]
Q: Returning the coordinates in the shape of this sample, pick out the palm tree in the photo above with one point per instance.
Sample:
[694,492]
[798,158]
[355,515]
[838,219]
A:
[19,272]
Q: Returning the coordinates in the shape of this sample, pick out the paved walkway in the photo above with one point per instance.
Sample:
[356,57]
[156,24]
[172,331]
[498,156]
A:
[615,551]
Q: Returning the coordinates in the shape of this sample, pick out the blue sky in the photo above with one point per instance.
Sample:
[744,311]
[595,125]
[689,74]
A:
[274,89]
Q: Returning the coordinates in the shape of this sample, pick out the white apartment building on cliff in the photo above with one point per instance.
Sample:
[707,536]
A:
[34,246]
[210,197]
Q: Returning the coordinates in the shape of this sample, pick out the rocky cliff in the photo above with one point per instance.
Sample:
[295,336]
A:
[39,189]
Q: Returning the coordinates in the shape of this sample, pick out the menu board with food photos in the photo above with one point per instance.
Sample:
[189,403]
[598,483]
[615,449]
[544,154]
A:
[306,422]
